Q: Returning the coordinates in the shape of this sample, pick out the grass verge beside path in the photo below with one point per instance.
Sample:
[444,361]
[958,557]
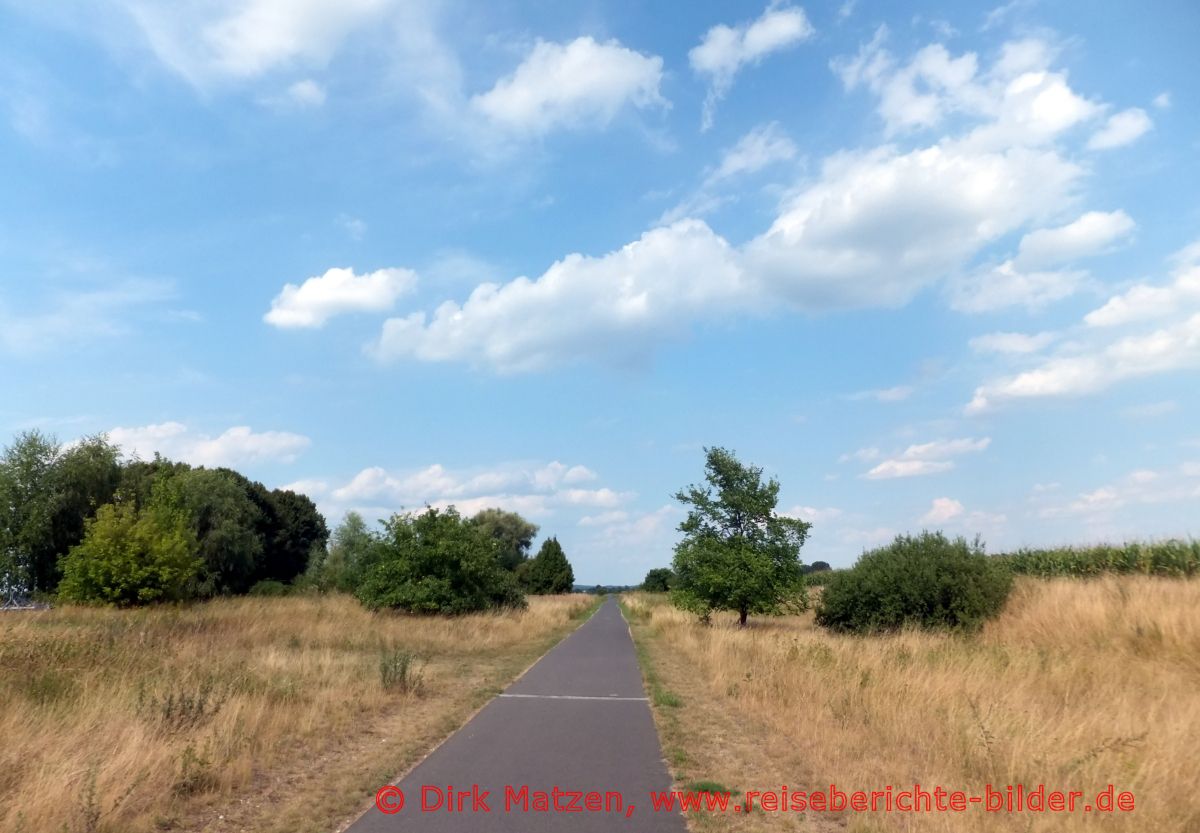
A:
[1076,685]
[246,714]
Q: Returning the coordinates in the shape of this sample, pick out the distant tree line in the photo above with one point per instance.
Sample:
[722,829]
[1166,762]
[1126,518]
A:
[80,523]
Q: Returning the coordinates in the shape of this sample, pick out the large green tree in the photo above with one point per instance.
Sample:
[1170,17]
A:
[225,522]
[299,531]
[27,512]
[437,562]
[548,571]
[513,535]
[737,552]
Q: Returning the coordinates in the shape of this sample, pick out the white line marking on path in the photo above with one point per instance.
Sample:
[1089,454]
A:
[571,697]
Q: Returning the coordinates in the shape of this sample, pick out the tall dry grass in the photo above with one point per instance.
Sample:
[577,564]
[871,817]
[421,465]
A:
[122,720]
[1078,684]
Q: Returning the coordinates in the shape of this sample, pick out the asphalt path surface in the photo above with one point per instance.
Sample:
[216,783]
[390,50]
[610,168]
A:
[578,721]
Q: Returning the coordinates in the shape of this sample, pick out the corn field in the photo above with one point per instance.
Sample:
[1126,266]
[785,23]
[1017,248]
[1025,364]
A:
[1161,558]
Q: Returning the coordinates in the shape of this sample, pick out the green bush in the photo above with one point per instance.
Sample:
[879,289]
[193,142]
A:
[926,580]
[437,562]
[131,557]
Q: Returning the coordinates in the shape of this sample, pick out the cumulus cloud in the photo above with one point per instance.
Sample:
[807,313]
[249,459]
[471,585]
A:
[1091,234]
[1007,285]
[869,228]
[942,510]
[338,291]
[536,490]
[622,300]
[1121,129]
[725,50]
[1145,301]
[926,458]
[235,446]
[1170,348]
[583,82]
[1098,360]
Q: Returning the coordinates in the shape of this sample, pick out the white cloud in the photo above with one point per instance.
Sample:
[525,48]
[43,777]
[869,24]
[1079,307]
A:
[1016,343]
[1170,348]
[580,305]
[1022,102]
[521,488]
[1162,101]
[237,445]
[338,291]
[1145,301]
[813,514]
[762,147]
[204,41]
[569,85]
[1091,234]
[926,458]
[864,455]
[942,510]
[307,93]
[870,228]
[311,487]
[724,50]
[1140,487]
[1007,285]
[1121,129]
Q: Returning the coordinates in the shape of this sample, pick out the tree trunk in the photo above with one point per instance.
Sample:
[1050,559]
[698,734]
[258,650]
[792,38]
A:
[742,614]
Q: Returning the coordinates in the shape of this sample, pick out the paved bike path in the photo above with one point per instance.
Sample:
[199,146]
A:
[577,720]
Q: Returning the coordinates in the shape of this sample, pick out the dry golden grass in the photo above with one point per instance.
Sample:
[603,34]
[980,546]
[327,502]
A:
[220,715]
[1078,684]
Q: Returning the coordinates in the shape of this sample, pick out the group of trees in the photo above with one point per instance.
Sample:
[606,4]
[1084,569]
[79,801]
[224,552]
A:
[438,561]
[80,522]
[739,554]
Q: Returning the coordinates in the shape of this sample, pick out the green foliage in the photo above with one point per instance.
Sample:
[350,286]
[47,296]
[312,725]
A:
[225,522]
[548,571]
[27,555]
[817,567]
[737,552]
[299,530]
[513,535]
[926,580]
[342,566]
[437,562]
[131,557]
[658,580]
[1160,558]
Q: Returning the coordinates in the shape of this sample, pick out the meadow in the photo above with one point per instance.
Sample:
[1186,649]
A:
[265,714]
[1076,684]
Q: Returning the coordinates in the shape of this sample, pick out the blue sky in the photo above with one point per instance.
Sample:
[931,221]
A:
[931,267]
